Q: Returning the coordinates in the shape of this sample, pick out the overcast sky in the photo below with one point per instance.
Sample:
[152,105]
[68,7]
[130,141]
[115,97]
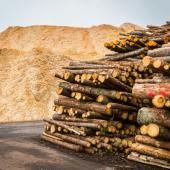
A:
[82,13]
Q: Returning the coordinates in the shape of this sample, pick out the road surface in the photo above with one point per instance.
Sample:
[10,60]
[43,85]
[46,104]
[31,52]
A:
[22,149]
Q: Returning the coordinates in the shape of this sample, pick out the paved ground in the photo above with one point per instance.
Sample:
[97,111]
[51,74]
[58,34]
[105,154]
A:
[22,149]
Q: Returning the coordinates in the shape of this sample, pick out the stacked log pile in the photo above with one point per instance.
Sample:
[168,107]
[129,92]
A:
[120,102]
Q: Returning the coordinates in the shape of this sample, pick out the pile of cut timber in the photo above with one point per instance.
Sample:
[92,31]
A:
[120,102]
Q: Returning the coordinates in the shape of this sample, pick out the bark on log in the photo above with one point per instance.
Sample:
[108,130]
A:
[121,107]
[80,120]
[134,156]
[150,150]
[157,131]
[152,115]
[151,90]
[69,128]
[153,142]
[121,56]
[92,106]
[165,51]
[91,90]
[67,145]
[74,140]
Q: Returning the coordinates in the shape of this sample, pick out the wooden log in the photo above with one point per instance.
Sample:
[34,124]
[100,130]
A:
[158,131]
[91,67]
[153,80]
[121,107]
[92,125]
[92,106]
[153,142]
[150,90]
[91,90]
[59,75]
[150,150]
[102,99]
[63,91]
[64,144]
[159,101]
[119,84]
[74,140]
[122,56]
[134,156]
[153,115]
[165,51]
[80,120]
[69,128]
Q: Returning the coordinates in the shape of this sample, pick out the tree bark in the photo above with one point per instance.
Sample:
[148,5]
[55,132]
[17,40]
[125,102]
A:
[148,160]
[74,140]
[88,106]
[153,115]
[150,150]
[165,51]
[122,56]
[150,90]
[67,145]
[157,131]
[121,107]
[153,142]
[91,90]
[69,128]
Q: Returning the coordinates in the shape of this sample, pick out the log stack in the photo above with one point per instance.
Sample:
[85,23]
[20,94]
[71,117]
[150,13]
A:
[118,101]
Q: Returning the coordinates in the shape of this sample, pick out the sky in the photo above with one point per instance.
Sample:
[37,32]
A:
[82,13]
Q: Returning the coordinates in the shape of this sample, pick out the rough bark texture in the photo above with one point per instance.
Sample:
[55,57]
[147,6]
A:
[92,106]
[165,51]
[150,90]
[148,115]
[153,142]
[150,150]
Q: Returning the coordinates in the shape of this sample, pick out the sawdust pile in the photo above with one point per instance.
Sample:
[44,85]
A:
[29,57]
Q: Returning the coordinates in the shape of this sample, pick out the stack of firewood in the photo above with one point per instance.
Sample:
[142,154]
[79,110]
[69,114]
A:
[113,103]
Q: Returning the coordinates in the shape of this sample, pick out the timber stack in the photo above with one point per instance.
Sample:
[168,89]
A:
[120,102]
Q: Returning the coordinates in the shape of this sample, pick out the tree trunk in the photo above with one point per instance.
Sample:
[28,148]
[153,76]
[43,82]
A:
[165,51]
[153,142]
[148,160]
[88,106]
[150,150]
[153,115]
[121,107]
[74,140]
[69,128]
[150,90]
[122,56]
[67,145]
[157,131]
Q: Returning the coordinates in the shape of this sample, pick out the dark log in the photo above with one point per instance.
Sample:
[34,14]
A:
[158,131]
[91,90]
[121,107]
[74,140]
[92,106]
[122,56]
[69,128]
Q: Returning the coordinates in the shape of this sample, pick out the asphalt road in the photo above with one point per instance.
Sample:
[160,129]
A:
[22,149]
